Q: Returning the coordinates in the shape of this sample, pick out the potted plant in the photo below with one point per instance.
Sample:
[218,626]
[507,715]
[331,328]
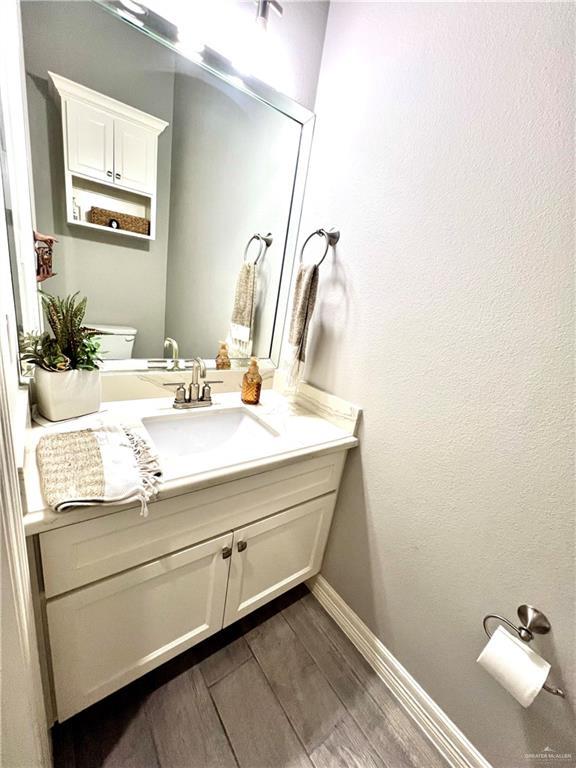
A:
[67,376]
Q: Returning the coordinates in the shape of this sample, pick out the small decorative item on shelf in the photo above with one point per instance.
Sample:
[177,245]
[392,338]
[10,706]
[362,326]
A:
[116,220]
[66,375]
[43,245]
[222,358]
[252,384]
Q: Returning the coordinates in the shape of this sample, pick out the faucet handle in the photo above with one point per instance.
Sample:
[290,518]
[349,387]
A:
[207,389]
[180,395]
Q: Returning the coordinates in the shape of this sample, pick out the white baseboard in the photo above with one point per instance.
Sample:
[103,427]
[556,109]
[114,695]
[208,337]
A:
[435,724]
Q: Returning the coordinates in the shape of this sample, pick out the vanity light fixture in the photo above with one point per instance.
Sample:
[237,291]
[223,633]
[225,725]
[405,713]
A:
[264,10]
[141,16]
[133,7]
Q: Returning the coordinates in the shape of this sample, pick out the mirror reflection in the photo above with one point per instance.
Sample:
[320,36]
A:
[168,190]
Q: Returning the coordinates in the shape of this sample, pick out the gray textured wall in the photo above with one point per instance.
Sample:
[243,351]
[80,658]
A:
[444,152]
[123,279]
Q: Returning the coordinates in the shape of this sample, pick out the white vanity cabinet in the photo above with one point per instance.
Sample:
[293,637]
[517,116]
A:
[110,156]
[126,593]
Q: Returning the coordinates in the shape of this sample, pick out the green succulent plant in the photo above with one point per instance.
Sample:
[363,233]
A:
[71,345]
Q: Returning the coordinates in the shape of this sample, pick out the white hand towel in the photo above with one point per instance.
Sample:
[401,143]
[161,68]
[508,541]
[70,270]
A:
[109,464]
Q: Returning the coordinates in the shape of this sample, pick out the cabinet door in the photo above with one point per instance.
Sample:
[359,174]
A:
[105,635]
[90,139]
[134,156]
[275,554]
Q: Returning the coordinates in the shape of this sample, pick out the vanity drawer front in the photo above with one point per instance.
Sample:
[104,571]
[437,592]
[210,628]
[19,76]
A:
[85,552]
[108,634]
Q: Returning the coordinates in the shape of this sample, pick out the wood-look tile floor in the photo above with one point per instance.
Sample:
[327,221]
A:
[283,688]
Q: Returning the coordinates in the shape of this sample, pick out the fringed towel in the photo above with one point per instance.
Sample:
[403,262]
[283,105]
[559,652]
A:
[240,336]
[105,465]
[303,303]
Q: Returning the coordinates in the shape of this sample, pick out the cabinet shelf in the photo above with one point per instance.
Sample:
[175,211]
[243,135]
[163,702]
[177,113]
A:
[125,232]
[88,193]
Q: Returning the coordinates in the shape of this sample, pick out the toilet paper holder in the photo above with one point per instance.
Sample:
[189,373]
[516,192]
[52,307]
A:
[532,621]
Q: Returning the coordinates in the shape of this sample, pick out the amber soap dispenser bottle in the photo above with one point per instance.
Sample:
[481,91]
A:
[251,384]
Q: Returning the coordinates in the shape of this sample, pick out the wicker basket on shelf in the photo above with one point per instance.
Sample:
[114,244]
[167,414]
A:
[116,220]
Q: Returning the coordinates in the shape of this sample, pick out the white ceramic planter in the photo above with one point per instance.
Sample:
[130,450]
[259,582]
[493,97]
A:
[67,394]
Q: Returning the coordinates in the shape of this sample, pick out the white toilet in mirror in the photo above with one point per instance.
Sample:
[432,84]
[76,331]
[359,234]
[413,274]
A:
[116,342]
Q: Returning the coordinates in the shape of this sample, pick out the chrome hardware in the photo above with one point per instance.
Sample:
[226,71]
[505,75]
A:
[192,398]
[172,345]
[206,396]
[180,396]
[264,9]
[226,553]
[532,621]
[109,173]
[242,545]
[330,235]
[265,242]
[118,176]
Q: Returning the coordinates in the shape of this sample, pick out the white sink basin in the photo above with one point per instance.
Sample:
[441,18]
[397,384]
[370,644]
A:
[195,441]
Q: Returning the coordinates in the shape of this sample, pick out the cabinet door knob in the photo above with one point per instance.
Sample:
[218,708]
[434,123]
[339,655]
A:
[242,546]
[226,553]
[117,175]
[108,173]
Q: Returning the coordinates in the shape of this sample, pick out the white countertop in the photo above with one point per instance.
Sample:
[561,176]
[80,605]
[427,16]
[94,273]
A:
[312,424]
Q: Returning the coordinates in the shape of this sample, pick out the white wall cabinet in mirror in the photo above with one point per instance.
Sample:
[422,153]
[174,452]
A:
[110,158]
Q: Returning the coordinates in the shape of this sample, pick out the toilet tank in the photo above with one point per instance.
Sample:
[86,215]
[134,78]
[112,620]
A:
[118,342]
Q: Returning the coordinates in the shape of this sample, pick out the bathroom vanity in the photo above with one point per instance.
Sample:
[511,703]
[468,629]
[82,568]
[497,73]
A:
[216,163]
[241,518]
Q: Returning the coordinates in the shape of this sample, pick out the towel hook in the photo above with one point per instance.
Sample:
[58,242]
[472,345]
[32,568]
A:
[265,243]
[531,621]
[332,236]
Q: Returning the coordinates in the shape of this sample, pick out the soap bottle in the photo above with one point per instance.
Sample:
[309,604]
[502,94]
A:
[251,384]
[222,359]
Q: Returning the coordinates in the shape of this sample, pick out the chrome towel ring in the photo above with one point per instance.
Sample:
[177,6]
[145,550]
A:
[331,235]
[265,243]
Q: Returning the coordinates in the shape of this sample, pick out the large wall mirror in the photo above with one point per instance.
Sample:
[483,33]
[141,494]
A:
[155,172]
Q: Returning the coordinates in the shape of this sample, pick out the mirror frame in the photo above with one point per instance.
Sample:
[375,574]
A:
[215,63]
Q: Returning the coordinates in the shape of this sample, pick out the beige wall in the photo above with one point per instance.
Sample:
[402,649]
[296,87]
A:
[444,152]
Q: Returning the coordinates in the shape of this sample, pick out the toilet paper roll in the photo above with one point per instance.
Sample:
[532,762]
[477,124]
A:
[514,665]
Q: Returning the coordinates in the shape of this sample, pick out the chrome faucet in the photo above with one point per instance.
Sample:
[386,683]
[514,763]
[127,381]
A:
[193,397]
[172,344]
[198,371]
